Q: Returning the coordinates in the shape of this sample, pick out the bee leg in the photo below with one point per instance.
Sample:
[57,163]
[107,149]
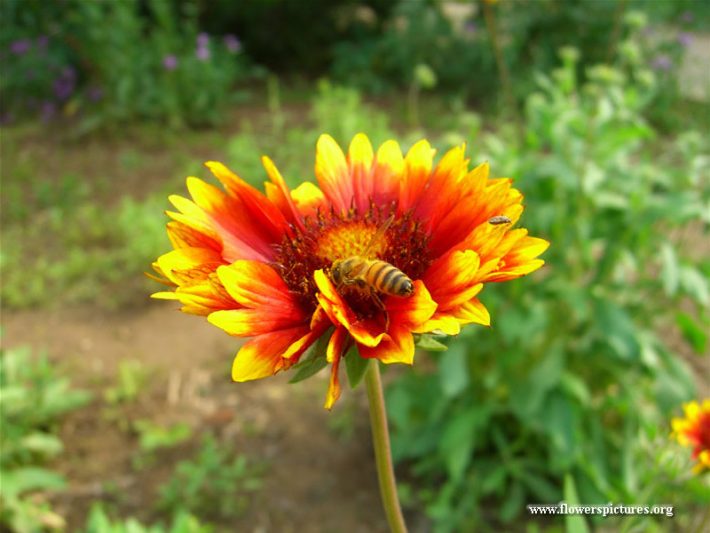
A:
[378,303]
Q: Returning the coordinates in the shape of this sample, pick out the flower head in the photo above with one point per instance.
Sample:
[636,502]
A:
[202,53]
[65,84]
[685,39]
[694,431]
[170,62]
[203,39]
[384,248]
[232,43]
[20,46]
[662,62]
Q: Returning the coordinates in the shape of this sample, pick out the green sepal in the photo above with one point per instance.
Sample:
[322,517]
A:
[355,367]
[428,342]
[314,360]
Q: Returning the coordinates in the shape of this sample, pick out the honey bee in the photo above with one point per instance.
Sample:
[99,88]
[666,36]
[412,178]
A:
[372,275]
[499,219]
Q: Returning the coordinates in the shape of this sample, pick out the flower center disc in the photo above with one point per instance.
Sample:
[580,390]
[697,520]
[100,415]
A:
[332,236]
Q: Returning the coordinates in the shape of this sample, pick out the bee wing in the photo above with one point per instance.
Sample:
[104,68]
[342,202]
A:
[377,237]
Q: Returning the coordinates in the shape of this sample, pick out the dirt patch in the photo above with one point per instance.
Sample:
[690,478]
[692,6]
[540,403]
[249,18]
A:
[319,476]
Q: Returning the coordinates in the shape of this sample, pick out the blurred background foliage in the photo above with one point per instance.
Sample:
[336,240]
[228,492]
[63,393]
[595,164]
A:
[591,106]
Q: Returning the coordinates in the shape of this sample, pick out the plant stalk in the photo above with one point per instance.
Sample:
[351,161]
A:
[381,444]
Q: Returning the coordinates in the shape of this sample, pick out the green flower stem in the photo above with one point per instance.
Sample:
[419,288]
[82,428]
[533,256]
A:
[381,443]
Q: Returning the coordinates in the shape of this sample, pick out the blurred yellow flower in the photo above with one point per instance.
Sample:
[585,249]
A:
[694,431]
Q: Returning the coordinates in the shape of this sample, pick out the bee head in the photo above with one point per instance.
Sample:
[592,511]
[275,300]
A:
[336,272]
[407,288]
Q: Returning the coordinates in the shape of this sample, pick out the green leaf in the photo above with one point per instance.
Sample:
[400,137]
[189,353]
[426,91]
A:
[670,274]
[618,329]
[494,480]
[42,443]
[695,284]
[153,437]
[308,369]
[573,523]
[561,421]
[540,487]
[19,480]
[515,501]
[694,333]
[458,438]
[576,387]
[527,395]
[429,343]
[355,367]
[453,371]
[98,522]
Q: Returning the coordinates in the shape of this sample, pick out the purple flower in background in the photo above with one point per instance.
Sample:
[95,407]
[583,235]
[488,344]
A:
[170,62]
[203,39]
[684,39]
[203,53]
[48,111]
[63,88]
[662,62]
[470,28]
[20,47]
[687,17]
[42,42]
[232,43]
[64,85]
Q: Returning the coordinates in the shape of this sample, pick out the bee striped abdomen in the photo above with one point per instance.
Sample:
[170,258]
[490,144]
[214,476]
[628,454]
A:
[388,279]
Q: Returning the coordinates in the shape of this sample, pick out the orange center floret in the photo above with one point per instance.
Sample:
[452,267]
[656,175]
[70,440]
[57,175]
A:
[354,238]
[334,236]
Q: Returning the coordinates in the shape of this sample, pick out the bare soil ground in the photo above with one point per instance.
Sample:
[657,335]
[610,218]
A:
[317,478]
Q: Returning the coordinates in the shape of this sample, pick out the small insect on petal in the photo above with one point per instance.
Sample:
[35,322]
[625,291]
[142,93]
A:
[498,220]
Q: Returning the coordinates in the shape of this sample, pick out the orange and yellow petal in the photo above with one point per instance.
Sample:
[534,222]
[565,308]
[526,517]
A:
[191,271]
[308,199]
[396,347]
[263,355]
[387,167]
[442,193]
[243,235]
[334,353]
[254,205]
[268,303]
[277,192]
[520,260]
[413,311]
[183,236]
[417,167]
[452,281]
[359,159]
[332,173]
